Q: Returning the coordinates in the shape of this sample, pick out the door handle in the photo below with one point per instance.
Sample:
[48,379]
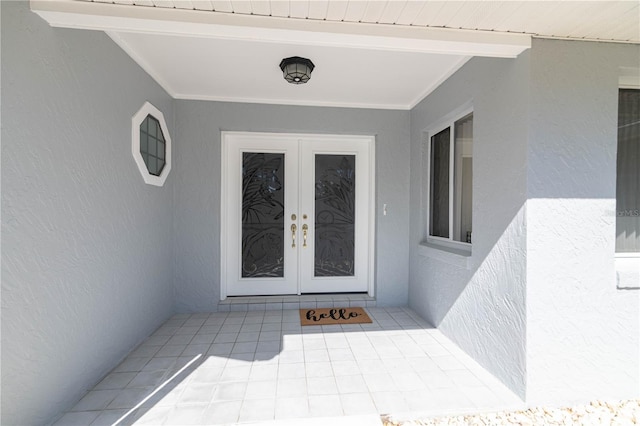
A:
[304,235]
[293,234]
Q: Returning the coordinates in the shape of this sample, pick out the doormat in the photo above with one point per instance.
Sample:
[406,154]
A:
[328,316]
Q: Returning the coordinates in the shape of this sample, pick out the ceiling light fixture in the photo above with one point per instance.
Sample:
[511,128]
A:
[296,70]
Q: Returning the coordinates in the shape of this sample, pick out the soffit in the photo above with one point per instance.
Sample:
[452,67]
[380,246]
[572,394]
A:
[593,20]
[372,54]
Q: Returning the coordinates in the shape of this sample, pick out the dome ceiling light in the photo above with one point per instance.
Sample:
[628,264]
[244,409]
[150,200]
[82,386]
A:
[296,70]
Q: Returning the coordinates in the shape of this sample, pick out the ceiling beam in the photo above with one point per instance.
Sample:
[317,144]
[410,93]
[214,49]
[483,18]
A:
[196,23]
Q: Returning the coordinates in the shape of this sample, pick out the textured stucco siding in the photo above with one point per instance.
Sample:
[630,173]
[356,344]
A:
[480,307]
[197,164]
[86,245]
[583,334]
[538,305]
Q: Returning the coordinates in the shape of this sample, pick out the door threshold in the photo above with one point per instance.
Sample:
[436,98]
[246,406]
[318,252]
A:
[305,301]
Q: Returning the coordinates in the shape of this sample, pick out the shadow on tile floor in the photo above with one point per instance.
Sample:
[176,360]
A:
[262,366]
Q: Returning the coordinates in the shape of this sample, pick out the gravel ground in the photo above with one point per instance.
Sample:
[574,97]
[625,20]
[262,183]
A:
[618,413]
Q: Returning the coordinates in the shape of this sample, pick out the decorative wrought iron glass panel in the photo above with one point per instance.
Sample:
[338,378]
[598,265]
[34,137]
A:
[335,180]
[262,215]
[440,145]
[152,145]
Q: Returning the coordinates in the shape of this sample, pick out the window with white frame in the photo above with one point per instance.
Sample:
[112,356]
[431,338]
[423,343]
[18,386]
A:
[628,172]
[151,144]
[450,194]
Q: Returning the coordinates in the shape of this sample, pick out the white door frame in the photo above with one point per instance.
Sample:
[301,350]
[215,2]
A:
[226,140]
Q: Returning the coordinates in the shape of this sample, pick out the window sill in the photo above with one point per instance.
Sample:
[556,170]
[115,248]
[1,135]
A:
[628,271]
[627,255]
[460,257]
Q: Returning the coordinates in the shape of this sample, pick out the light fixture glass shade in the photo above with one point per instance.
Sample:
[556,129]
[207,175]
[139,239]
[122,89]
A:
[296,70]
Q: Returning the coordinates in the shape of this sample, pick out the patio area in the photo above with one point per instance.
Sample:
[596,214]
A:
[262,366]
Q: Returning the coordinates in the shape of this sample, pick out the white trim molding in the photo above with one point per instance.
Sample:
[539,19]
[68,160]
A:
[157,20]
[627,271]
[231,140]
[157,76]
[146,110]
[629,78]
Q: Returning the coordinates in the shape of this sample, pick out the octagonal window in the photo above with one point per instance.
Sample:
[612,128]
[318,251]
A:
[151,144]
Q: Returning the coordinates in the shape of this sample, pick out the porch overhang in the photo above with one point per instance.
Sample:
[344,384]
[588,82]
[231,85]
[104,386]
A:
[233,57]
[152,20]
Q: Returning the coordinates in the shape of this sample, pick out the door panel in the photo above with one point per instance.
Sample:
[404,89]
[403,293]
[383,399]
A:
[296,214]
[260,193]
[338,205]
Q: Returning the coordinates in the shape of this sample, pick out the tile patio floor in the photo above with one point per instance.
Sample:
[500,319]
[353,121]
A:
[262,366]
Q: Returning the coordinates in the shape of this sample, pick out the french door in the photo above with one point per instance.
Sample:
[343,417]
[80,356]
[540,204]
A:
[297,214]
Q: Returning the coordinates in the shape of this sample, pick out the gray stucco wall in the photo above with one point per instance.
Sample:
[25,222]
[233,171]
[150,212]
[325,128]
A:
[86,245]
[537,303]
[197,188]
[479,303]
[583,334]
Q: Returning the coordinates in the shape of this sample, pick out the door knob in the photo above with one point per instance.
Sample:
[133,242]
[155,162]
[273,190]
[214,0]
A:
[304,235]
[293,234]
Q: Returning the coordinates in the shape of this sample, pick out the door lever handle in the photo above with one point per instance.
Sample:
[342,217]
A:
[304,235]
[293,234]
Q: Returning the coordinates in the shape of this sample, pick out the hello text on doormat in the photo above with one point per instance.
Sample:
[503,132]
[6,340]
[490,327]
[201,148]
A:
[328,316]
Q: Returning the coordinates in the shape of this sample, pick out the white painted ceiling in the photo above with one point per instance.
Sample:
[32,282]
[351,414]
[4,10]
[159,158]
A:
[376,54]
[240,70]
